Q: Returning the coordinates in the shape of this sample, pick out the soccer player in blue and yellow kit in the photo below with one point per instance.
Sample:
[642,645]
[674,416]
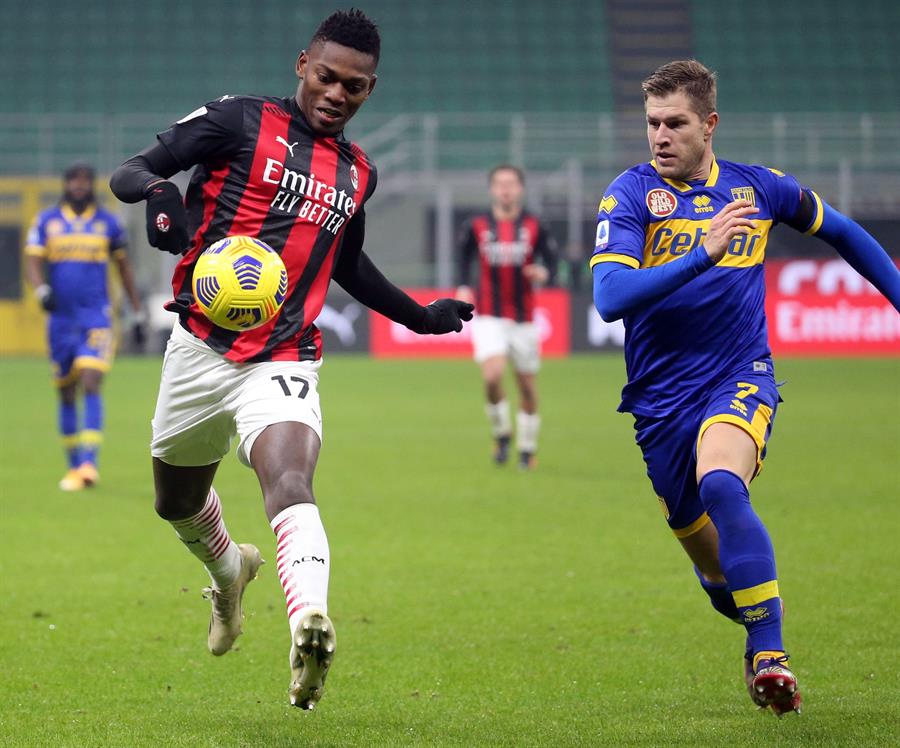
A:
[679,257]
[68,252]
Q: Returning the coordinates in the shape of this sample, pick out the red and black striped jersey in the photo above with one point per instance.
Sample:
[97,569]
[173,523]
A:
[503,248]
[263,172]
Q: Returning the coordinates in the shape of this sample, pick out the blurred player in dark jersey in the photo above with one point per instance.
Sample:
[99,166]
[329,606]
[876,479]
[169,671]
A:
[515,255]
[679,256]
[68,251]
[279,169]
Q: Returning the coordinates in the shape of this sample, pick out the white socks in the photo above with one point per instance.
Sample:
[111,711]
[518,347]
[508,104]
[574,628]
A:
[205,536]
[498,415]
[302,559]
[527,427]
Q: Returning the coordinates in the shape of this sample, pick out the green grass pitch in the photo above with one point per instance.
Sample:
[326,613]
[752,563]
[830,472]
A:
[474,605]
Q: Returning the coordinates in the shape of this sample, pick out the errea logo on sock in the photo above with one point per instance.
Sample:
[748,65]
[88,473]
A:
[755,614]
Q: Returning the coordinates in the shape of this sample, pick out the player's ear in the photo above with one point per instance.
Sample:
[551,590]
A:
[372,81]
[300,67]
[709,126]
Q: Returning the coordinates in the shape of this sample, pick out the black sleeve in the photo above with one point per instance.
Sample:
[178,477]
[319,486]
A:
[806,212]
[129,182]
[359,277]
[211,133]
[467,249]
[547,251]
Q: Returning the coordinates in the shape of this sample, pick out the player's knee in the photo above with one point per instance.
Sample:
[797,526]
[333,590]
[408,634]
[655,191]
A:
[172,508]
[292,487]
[90,381]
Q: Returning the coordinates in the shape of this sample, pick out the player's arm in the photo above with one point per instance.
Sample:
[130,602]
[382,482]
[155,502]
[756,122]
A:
[852,242]
[467,250]
[543,272]
[357,275]
[138,318]
[35,265]
[34,272]
[212,132]
[620,290]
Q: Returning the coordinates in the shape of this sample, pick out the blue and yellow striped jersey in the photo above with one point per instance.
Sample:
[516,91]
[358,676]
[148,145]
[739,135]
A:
[678,346]
[76,249]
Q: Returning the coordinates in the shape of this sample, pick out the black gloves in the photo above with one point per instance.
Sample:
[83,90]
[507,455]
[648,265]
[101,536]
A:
[166,218]
[45,297]
[445,315]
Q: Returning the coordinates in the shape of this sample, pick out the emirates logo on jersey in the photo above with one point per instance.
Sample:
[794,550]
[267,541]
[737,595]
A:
[309,198]
[661,203]
[163,224]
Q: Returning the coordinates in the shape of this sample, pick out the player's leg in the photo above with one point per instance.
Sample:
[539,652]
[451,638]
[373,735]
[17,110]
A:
[92,429]
[491,345]
[68,429]
[94,358]
[63,345]
[497,406]
[279,422]
[192,431]
[525,353]
[731,445]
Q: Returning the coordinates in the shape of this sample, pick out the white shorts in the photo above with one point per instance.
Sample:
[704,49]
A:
[205,400]
[498,336]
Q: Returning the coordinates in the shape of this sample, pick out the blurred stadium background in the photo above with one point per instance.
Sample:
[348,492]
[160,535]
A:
[812,88]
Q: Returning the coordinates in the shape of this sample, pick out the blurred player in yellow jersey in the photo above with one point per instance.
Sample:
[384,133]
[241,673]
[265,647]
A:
[67,256]
[679,256]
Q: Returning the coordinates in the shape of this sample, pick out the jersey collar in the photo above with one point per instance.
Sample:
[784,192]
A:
[70,215]
[684,186]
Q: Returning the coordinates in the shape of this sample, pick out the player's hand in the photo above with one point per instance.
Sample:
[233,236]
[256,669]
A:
[535,273]
[45,297]
[732,220]
[465,294]
[166,218]
[446,315]
[139,329]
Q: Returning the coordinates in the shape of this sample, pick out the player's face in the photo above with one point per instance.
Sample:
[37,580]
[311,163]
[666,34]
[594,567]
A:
[679,138]
[79,189]
[335,81]
[507,190]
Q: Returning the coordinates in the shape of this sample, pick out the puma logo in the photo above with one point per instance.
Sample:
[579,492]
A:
[289,146]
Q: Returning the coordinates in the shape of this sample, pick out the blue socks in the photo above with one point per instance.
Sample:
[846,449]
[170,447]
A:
[91,434]
[747,559]
[68,427]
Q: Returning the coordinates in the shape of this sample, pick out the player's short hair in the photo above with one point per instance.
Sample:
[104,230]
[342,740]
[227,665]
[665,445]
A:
[350,28]
[690,76]
[79,168]
[507,167]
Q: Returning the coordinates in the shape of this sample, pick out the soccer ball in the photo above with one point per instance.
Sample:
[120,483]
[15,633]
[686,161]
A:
[240,283]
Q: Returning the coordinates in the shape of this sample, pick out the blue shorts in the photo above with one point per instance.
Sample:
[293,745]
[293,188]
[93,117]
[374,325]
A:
[79,344]
[747,398]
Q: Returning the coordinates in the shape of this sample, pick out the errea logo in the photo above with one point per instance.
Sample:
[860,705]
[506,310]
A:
[702,204]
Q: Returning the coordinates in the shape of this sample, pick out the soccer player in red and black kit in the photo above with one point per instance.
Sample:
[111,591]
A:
[515,254]
[279,169]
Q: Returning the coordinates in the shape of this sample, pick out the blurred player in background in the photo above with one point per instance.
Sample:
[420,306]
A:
[679,256]
[67,256]
[515,255]
[279,169]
